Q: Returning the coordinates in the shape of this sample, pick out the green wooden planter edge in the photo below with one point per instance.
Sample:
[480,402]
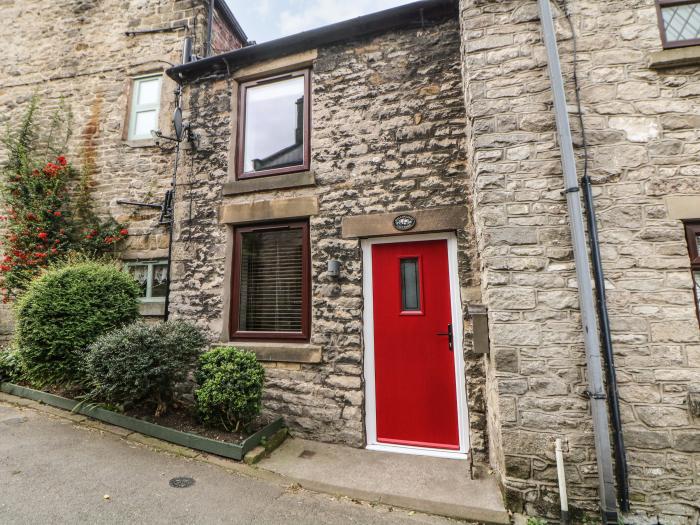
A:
[228,450]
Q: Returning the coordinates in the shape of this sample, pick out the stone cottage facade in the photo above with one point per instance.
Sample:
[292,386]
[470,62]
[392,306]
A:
[408,163]
[387,140]
[65,52]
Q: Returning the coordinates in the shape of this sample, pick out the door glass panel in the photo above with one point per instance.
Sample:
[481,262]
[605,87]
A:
[410,291]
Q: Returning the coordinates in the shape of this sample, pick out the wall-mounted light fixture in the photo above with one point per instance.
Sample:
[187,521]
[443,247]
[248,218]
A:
[334,269]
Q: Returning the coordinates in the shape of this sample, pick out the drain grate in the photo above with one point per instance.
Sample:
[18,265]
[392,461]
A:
[181,482]
[306,454]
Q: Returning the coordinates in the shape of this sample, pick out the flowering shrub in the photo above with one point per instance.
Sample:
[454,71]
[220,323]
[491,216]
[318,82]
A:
[38,225]
[35,227]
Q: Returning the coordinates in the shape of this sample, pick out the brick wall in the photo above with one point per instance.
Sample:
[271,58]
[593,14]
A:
[644,140]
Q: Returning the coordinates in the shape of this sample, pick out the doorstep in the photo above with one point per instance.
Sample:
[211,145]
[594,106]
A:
[425,484]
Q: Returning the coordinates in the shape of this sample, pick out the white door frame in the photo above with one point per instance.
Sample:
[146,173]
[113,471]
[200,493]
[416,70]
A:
[368,332]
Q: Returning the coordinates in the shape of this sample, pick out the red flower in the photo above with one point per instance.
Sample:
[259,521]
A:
[61,160]
[4,268]
[123,231]
[43,235]
[57,214]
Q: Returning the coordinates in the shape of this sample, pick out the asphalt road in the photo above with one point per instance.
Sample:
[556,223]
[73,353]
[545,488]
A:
[53,471]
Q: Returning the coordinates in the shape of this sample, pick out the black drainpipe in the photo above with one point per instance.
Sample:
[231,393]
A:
[606,339]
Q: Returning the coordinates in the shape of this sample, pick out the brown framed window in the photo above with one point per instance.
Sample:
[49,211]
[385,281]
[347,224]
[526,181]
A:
[273,125]
[679,22]
[271,282]
[692,233]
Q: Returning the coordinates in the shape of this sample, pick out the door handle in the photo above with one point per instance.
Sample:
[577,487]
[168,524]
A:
[450,336]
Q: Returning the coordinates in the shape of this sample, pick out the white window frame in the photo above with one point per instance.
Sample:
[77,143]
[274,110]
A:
[149,278]
[135,108]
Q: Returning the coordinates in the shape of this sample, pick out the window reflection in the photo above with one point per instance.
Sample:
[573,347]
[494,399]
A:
[274,125]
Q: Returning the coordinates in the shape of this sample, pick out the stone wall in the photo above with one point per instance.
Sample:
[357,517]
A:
[644,137]
[76,53]
[387,135]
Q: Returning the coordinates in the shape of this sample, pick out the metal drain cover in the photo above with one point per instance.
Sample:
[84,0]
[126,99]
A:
[181,482]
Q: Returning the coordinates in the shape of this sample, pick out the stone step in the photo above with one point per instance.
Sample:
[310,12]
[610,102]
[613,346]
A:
[426,484]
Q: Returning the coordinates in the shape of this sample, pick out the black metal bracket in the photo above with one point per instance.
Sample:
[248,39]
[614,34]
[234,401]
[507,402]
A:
[157,30]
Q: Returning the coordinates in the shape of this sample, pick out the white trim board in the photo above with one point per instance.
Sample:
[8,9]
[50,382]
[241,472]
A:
[368,335]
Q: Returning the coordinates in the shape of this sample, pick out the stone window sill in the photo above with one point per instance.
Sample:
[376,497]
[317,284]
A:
[680,56]
[143,143]
[270,183]
[152,309]
[280,352]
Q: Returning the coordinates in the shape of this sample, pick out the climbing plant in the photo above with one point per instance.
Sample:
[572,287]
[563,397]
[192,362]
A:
[38,225]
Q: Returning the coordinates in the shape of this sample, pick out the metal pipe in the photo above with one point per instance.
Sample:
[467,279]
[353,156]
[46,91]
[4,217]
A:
[172,218]
[210,28]
[606,489]
[610,375]
[561,476]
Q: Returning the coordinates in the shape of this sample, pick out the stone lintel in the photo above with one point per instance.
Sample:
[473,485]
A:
[144,255]
[380,224]
[683,207]
[267,210]
[280,352]
[275,182]
[276,65]
[681,56]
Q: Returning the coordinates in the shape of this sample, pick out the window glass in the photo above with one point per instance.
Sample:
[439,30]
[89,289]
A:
[140,273]
[410,292]
[696,274]
[145,122]
[271,281]
[145,104]
[152,277]
[149,91]
[274,125]
[681,22]
[160,280]
[697,243]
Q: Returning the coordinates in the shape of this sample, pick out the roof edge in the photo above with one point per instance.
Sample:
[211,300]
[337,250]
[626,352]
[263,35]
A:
[379,22]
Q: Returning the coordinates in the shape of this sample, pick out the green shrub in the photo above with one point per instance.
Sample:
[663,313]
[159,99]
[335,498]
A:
[10,366]
[64,310]
[142,363]
[230,387]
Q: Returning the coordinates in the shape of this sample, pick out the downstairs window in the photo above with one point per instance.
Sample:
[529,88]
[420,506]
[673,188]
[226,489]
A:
[271,282]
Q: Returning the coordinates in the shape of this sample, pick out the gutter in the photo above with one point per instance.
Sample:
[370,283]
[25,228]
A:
[606,489]
[416,14]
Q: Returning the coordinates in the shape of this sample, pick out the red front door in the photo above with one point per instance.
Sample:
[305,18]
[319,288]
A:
[416,393]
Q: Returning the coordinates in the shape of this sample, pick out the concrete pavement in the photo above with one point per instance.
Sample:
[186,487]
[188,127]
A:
[56,470]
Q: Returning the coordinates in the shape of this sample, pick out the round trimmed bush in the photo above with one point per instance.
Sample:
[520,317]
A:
[64,310]
[230,387]
[142,363]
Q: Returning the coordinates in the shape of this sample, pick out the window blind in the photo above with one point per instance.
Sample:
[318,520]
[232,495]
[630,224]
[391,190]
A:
[271,281]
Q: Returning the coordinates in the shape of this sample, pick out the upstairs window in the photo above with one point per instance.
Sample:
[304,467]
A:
[153,278]
[692,232]
[145,106]
[679,22]
[271,282]
[273,126]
